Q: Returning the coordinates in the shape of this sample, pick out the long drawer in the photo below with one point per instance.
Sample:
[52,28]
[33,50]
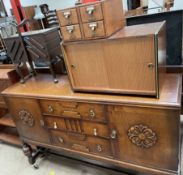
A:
[82,143]
[90,112]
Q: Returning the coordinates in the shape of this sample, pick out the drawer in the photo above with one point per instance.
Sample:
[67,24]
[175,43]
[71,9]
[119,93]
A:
[55,123]
[50,107]
[91,112]
[67,17]
[94,29]
[71,32]
[95,129]
[91,13]
[82,143]
[64,124]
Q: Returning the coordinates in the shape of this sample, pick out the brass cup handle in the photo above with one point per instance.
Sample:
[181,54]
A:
[70,29]
[92,113]
[113,134]
[50,109]
[93,26]
[67,14]
[90,10]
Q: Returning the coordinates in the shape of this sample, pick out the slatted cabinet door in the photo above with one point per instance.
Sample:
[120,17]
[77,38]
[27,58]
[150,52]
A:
[27,117]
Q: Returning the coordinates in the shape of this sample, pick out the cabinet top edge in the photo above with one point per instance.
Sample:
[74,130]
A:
[42,87]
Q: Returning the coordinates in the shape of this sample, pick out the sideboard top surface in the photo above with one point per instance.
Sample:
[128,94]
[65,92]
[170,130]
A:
[42,87]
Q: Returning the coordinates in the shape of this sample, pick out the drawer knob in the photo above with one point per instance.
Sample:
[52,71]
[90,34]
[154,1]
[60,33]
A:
[70,29]
[95,132]
[150,65]
[90,10]
[113,134]
[92,113]
[67,14]
[55,125]
[73,66]
[50,109]
[99,148]
[61,140]
[93,26]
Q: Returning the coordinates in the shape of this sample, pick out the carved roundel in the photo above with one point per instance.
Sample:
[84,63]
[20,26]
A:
[26,118]
[142,136]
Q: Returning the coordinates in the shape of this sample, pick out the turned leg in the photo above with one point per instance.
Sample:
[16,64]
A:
[33,156]
[29,153]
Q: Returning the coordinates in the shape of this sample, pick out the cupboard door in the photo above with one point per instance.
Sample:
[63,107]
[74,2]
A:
[150,132]
[27,117]
[86,64]
[131,65]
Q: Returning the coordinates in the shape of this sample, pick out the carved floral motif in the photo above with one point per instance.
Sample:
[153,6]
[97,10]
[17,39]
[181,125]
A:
[142,136]
[26,118]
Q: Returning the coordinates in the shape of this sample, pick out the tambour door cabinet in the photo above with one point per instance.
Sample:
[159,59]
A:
[129,62]
[136,134]
[92,20]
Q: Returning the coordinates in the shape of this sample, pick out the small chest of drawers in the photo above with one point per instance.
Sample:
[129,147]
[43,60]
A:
[90,21]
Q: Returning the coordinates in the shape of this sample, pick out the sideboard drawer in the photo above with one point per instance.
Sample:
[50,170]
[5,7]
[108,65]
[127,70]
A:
[55,123]
[95,129]
[86,111]
[91,12]
[82,143]
[94,29]
[72,32]
[67,17]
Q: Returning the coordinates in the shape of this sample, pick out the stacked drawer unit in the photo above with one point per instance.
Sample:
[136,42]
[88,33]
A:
[78,126]
[90,21]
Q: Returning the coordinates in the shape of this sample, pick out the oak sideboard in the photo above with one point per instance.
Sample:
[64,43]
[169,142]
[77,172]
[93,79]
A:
[140,135]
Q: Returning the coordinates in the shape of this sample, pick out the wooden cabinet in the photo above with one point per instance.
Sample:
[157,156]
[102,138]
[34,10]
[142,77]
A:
[129,62]
[139,134]
[90,21]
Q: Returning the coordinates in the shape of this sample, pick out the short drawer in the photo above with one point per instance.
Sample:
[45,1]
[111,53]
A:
[67,17]
[82,143]
[57,108]
[95,129]
[94,29]
[91,13]
[93,112]
[56,123]
[71,32]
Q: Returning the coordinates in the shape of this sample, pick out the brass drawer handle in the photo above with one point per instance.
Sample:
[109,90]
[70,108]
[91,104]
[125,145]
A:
[93,26]
[70,29]
[50,109]
[99,148]
[67,14]
[95,133]
[55,125]
[90,10]
[113,134]
[92,113]
[61,140]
